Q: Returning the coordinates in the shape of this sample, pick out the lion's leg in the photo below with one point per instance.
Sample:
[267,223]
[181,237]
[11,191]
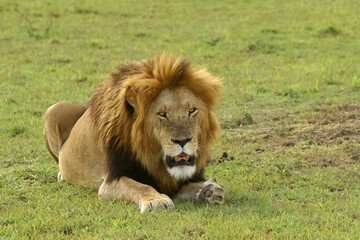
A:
[59,120]
[209,192]
[80,160]
[128,190]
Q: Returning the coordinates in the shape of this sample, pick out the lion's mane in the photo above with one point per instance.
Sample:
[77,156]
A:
[129,146]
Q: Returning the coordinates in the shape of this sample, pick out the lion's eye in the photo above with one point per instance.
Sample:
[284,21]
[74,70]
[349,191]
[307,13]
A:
[162,114]
[192,110]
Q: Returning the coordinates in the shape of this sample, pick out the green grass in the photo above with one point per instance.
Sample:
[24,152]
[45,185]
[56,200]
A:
[290,114]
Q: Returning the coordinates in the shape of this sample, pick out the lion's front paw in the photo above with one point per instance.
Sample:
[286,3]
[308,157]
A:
[157,202]
[211,193]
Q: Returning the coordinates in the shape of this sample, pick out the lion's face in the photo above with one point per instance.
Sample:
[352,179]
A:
[175,117]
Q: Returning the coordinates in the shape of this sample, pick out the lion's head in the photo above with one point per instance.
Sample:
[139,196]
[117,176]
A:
[159,112]
[176,117]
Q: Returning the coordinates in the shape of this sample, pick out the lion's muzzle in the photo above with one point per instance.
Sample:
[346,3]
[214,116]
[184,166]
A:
[181,160]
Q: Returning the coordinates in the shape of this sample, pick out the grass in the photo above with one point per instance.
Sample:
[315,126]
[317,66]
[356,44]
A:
[290,114]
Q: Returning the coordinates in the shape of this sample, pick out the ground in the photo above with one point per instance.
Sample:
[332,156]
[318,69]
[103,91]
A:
[289,152]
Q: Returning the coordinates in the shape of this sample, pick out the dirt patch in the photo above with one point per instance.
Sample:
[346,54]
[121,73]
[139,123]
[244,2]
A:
[328,127]
[336,125]
[341,114]
[335,130]
[323,158]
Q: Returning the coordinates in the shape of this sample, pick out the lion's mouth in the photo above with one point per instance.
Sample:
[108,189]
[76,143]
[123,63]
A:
[182,159]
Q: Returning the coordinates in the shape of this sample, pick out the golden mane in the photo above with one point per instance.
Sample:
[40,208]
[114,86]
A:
[121,129]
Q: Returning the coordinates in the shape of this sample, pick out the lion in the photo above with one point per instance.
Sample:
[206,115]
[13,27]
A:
[144,137]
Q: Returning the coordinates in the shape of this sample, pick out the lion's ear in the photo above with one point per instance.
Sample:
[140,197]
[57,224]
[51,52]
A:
[130,97]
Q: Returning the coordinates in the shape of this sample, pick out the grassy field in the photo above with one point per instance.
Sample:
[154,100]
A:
[289,152]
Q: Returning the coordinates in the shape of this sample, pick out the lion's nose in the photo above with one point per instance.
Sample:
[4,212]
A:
[181,142]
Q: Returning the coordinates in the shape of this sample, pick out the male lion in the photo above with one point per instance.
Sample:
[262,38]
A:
[144,136]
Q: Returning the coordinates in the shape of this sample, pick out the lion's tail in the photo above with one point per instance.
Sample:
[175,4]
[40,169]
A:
[60,118]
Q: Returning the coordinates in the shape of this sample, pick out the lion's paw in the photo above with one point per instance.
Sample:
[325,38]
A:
[211,193]
[157,202]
